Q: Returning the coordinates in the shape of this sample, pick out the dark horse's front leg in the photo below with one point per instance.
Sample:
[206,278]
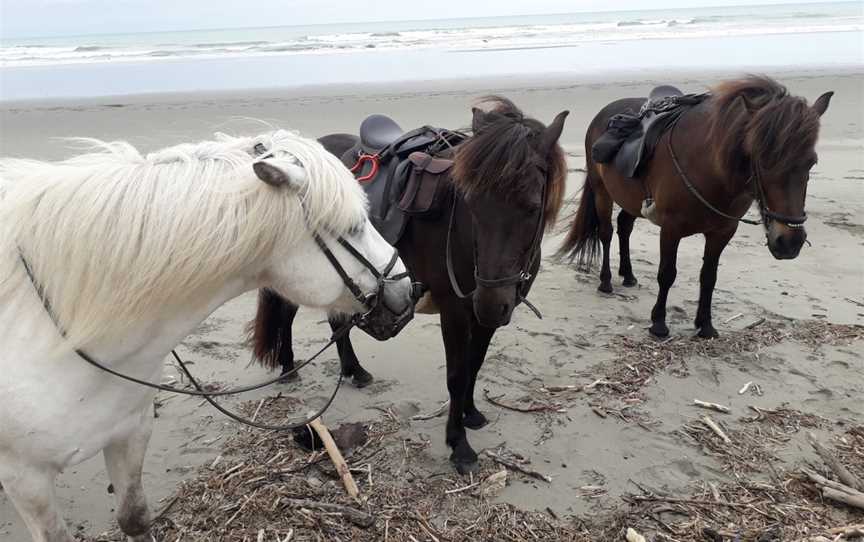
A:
[348,359]
[715,242]
[465,343]
[665,278]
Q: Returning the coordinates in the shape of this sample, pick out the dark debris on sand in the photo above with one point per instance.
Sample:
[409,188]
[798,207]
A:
[265,487]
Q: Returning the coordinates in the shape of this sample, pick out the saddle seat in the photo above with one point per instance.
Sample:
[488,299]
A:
[379,131]
[631,138]
[389,159]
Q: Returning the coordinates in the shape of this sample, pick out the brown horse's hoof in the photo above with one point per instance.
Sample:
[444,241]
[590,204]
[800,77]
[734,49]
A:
[475,420]
[289,377]
[629,282]
[605,287]
[659,330]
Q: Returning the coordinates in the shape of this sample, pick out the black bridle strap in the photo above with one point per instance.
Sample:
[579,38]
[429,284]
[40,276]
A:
[449,257]
[692,188]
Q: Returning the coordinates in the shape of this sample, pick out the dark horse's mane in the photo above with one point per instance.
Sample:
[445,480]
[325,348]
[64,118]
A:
[502,155]
[756,118]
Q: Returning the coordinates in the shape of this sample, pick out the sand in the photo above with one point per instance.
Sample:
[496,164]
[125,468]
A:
[584,336]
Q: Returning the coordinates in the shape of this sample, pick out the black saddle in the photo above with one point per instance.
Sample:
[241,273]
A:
[631,138]
[379,131]
[381,162]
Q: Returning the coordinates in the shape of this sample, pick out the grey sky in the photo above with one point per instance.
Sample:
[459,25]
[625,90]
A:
[20,18]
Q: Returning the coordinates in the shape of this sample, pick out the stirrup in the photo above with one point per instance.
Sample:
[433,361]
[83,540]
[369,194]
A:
[649,210]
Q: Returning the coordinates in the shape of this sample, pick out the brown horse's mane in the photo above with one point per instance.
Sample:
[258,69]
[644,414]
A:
[502,156]
[755,118]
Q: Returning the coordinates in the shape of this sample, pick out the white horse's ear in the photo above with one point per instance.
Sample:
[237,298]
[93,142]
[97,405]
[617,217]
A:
[291,176]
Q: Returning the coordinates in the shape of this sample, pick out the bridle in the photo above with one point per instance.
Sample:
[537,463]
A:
[522,278]
[759,193]
[372,301]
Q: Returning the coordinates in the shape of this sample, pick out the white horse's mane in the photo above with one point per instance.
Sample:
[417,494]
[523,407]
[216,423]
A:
[114,236]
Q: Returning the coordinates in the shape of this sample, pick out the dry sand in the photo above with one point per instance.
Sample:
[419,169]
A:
[584,335]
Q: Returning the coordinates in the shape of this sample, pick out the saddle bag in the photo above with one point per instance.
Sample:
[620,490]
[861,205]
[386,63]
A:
[427,188]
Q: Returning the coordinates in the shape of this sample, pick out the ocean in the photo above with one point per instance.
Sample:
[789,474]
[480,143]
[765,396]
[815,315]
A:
[818,34]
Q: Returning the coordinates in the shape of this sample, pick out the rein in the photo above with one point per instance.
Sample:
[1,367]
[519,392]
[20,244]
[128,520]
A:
[764,210]
[520,279]
[371,301]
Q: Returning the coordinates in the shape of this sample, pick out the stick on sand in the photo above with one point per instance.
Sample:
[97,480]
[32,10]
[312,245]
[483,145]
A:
[336,457]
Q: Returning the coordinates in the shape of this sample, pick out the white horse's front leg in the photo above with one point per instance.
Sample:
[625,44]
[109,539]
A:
[31,490]
[124,459]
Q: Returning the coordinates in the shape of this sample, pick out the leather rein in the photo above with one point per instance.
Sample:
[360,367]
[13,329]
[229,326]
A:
[520,279]
[370,301]
[765,212]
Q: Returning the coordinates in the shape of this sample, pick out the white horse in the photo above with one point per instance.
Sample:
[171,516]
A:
[127,254]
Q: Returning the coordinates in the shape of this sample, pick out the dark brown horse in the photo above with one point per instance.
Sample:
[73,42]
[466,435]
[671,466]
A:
[750,140]
[507,187]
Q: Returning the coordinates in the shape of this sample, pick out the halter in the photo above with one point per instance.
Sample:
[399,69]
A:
[371,301]
[521,279]
[765,212]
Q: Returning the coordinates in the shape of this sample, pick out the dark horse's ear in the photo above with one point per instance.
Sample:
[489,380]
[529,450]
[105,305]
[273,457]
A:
[821,103]
[553,132]
[478,118]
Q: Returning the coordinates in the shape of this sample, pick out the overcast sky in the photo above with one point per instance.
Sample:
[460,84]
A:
[21,18]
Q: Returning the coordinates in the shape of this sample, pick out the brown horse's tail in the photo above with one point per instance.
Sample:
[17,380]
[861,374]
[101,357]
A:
[583,240]
[269,334]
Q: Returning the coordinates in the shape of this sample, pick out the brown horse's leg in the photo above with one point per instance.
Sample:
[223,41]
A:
[715,242]
[455,330]
[603,206]
[480,339]
[665,278]
[348,359]
[625,228]
[286,350]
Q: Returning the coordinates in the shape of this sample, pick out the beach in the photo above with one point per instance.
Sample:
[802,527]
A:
[801,362]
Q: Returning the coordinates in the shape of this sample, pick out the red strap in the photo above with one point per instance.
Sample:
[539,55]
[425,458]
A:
[359,167]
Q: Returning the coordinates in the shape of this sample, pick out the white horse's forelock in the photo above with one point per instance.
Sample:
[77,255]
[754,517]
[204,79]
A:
[114,237]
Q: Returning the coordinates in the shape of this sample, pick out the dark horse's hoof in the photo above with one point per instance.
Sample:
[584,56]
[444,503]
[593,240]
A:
[659,329]
[362,377]
[290,377]
[629,282]
[465,465]
[605,287]
[707,332]
[475,420]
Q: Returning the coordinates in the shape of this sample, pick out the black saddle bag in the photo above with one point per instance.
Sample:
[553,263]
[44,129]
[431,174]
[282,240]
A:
[428,187]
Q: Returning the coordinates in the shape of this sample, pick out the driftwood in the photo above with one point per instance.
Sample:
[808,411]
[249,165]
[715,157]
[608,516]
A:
[535,407]
[836,491]
[336,457]
[357,517]
[834,464]
[434,414]
[517,467]
[633,536]
[716,428]
[712,406]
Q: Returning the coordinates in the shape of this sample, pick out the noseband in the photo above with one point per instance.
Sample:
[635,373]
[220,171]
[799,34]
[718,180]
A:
[522,278]
[371,301]
[759,193]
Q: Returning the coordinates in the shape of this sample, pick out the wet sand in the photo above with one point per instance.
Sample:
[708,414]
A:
[576,342]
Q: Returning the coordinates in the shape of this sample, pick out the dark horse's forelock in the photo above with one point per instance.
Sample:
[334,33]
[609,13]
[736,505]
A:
[756,118]
[508,137]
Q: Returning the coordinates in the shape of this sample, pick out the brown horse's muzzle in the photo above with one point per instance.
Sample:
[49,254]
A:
[784,240]
[493,307]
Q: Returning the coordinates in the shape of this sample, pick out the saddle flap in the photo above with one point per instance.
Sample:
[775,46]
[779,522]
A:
[428,188]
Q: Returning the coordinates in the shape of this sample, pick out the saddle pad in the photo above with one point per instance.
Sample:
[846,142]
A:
[428,188]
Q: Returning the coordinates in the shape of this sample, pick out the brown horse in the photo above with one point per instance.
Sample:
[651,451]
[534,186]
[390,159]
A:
[750,140]
[506,188]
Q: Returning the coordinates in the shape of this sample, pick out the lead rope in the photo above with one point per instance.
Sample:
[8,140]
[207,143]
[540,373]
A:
[199,390]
